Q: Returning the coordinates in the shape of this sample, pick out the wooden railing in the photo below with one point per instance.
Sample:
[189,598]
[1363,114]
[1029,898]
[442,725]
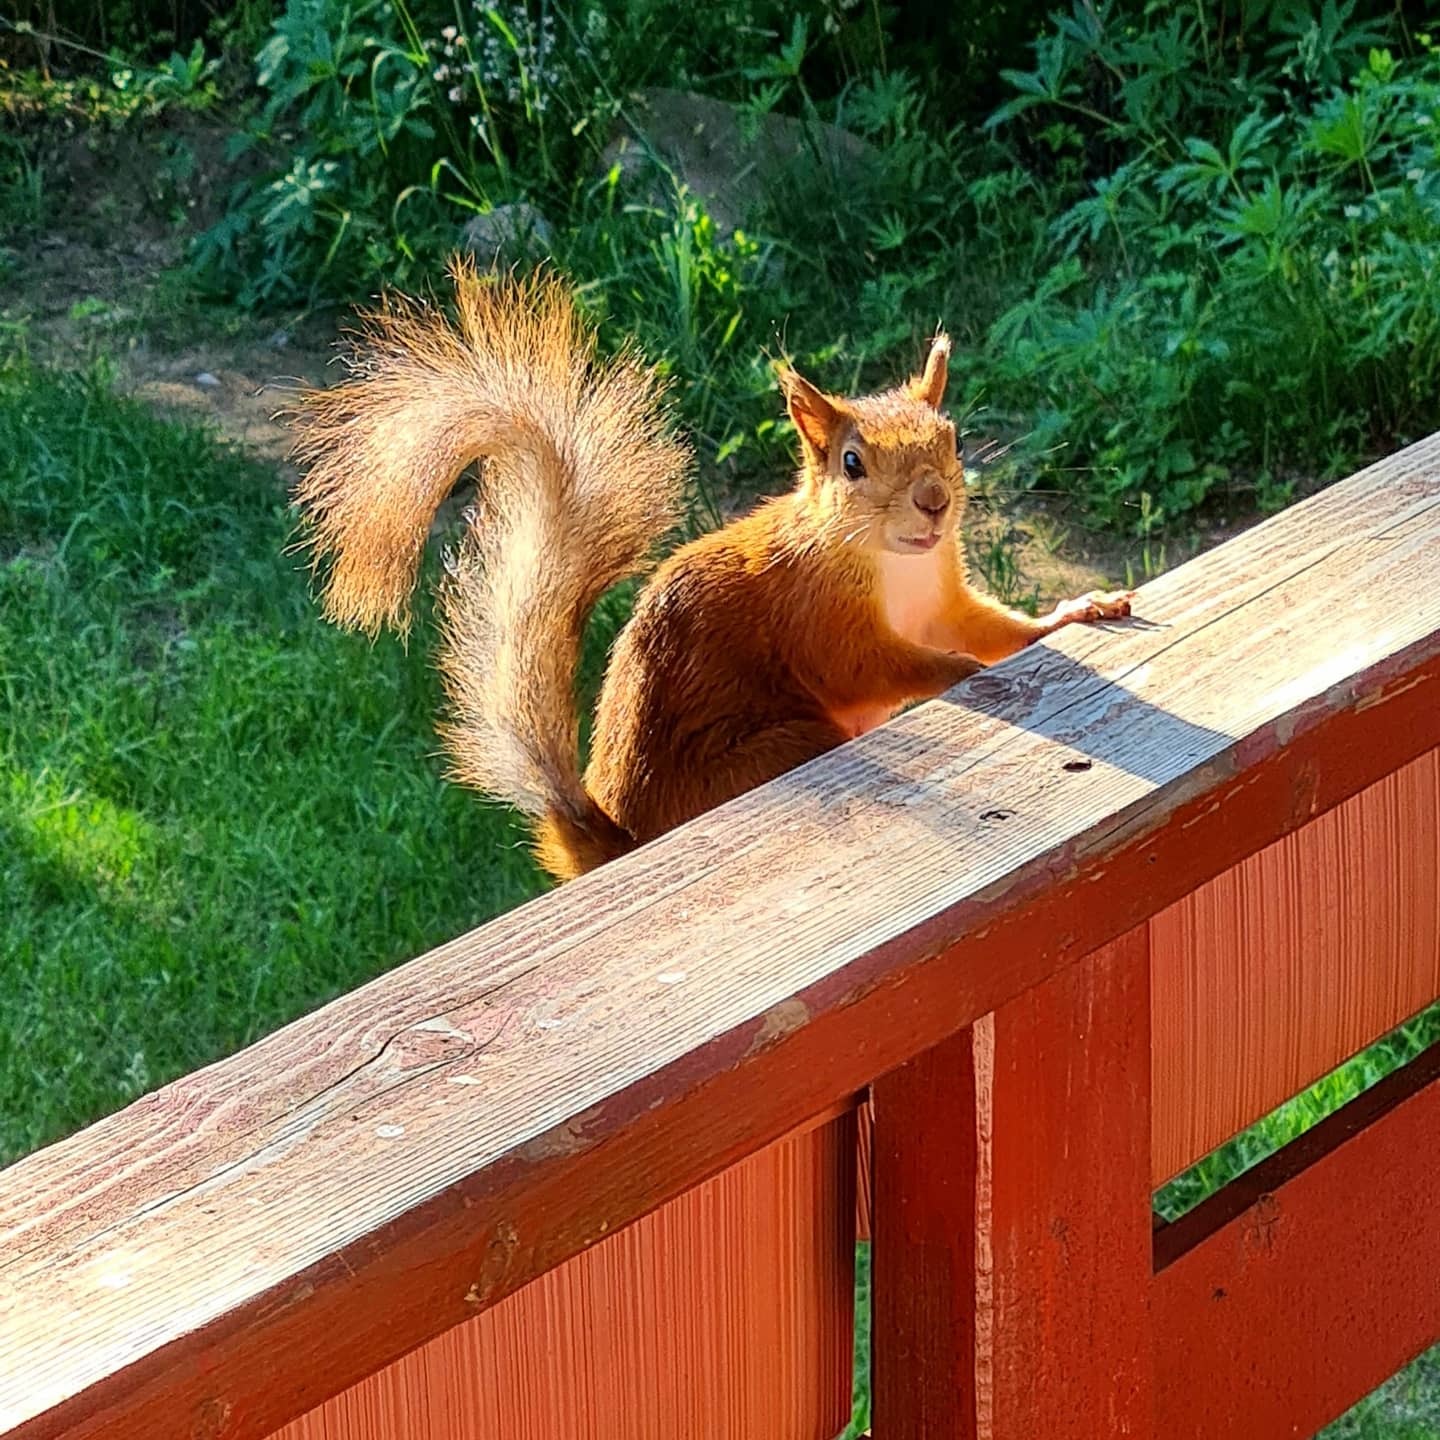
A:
[590,1170]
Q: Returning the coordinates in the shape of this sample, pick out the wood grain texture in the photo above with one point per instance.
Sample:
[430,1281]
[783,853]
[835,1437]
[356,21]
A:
[1297,1289]
[1064,1316]
[926,1242]
[1268,976]
[258,1236]
[727,1314]
[1012,1221]
[1271,974]
[865,1165]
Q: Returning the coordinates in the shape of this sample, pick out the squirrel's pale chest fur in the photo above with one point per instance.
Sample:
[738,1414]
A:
[910,596]
[912,592]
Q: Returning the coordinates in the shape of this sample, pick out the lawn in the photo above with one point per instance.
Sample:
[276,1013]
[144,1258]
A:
[215,812]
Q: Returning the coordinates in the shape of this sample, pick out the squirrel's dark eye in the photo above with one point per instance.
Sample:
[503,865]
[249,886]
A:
[854,469]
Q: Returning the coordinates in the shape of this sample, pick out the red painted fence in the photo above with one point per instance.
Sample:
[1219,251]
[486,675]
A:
[590,1171]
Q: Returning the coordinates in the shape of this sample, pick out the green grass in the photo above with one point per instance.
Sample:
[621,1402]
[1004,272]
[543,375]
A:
[1299,1114]
[215,812]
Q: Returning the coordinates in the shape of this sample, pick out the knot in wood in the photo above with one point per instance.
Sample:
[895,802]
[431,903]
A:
[495,1264]
[211,1419]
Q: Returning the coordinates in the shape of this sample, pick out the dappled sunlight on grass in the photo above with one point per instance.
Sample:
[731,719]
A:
[74,845]
[215,812]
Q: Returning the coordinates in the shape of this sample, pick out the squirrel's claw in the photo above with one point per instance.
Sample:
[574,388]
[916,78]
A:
[1097,605]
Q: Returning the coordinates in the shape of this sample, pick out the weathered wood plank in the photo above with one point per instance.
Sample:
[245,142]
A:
[1271,974]
[926,1239]
[1065,1324]
[726,1314]
[865,1158]
[1268,976]
[1012,1223]
[330,1198]
[1295,1290]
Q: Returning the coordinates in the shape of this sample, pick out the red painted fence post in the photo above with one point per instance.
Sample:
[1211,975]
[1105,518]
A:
[1012,1223]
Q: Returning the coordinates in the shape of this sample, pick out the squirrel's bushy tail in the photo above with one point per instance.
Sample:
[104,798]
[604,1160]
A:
[580,478]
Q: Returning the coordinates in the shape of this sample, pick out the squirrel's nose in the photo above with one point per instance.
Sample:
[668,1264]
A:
[931,497]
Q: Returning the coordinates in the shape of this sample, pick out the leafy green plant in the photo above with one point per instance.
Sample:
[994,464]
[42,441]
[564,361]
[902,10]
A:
[1190,259]
[346,99]
[1244,290]
[389,123]
[114,90]
[22,188]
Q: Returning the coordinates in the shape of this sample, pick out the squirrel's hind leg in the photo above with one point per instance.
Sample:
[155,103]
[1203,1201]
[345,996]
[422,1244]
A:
[754,759]
[771,752]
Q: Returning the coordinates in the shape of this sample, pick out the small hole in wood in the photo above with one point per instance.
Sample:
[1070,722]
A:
[1075,766]
[996,814]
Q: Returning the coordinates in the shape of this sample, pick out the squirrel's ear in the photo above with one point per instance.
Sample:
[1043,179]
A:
[813,413]
[929,386]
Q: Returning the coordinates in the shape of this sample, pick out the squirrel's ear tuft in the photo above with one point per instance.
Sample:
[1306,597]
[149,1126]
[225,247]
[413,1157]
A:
[813,412]
[929,386]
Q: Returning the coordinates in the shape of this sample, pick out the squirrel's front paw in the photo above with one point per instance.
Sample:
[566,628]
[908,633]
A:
[1097,605]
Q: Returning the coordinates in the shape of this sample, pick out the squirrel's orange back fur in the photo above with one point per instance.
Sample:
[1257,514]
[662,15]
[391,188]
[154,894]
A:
[751,650]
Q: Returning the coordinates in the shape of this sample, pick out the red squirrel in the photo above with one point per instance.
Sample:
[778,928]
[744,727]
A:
[749,651]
